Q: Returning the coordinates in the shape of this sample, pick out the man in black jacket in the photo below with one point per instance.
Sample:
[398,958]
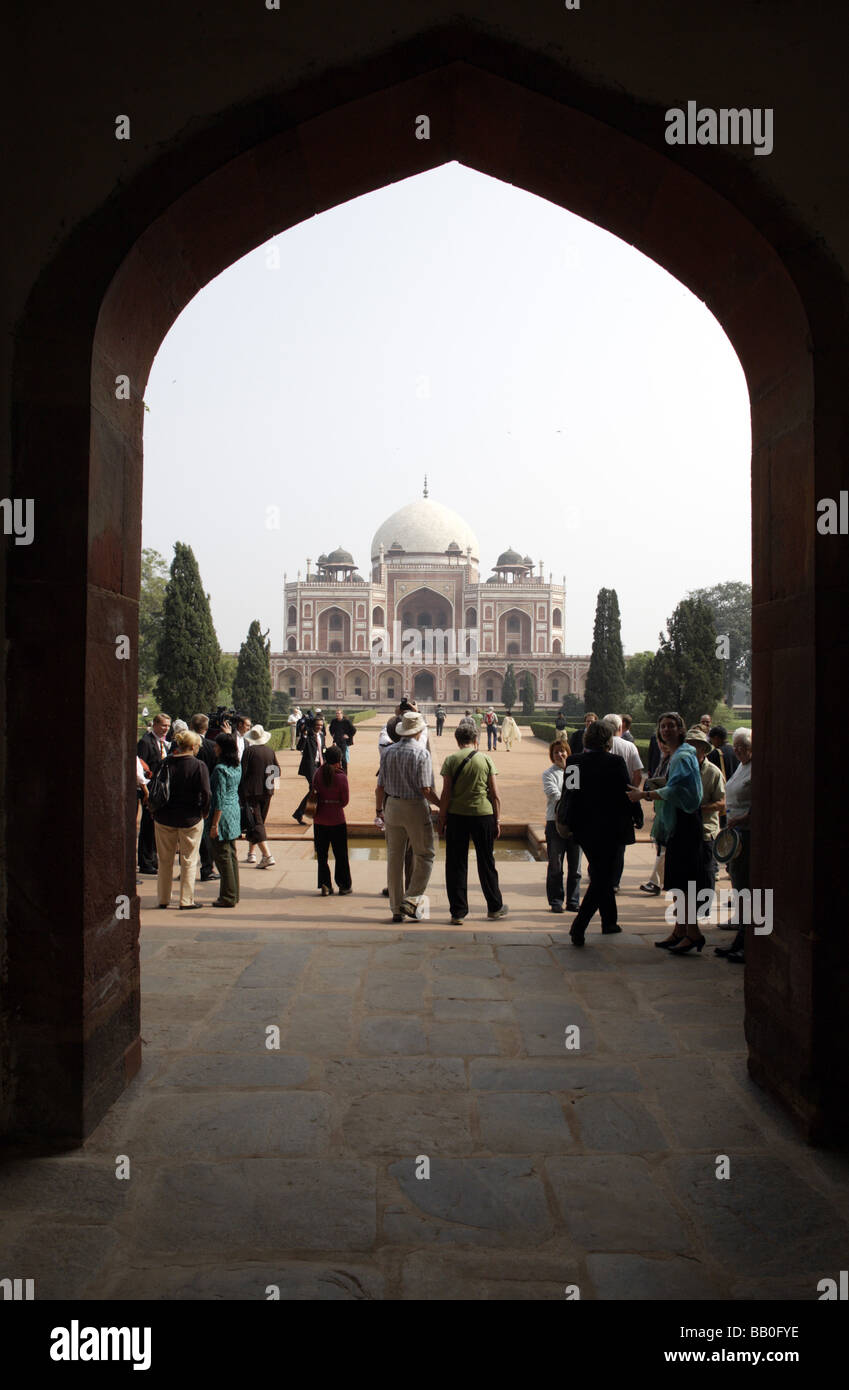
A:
[206,755]
[342,732]
[599,816]
[152,749]
[576,740]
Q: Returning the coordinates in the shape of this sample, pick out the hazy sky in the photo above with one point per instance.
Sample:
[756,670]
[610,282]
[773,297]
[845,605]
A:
[563,393]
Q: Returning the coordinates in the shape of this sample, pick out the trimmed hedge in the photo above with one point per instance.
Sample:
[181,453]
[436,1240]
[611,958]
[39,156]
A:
[546,732]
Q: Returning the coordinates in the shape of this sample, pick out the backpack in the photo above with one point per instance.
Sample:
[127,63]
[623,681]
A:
[159,790]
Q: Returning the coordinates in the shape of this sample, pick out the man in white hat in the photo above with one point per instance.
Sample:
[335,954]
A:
[260,771]
[293,721]
[405,793]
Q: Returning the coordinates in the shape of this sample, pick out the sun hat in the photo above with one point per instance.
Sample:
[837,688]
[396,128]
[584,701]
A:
[257,734]
[411,724]
[697,735]
[727,845]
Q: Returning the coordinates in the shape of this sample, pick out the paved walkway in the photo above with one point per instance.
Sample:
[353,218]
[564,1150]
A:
[519,776]
[548,1166]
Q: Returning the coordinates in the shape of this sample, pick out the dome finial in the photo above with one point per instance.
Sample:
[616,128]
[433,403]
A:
[424,494]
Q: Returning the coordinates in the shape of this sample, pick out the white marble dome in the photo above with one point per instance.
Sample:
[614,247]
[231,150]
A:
[425,527]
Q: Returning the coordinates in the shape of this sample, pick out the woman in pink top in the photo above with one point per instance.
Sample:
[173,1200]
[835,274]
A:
[330,785]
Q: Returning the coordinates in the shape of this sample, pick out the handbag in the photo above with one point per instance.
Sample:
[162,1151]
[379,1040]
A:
[159,789]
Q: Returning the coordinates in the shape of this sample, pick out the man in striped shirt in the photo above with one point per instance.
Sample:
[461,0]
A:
[405,792]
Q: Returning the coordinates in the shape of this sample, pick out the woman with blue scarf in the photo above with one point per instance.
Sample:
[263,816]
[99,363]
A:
[678,825]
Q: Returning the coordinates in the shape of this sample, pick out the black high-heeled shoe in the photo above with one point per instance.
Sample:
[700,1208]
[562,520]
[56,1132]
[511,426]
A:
[687,945]
[669,942]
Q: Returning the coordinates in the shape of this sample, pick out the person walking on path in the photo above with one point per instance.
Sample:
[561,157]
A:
[657,776]
[440,720]
[178,825]
[599,816]
[491,721]
[404,794]
[713,804]
[207,755]
[293,721]
[226,823]
[738,796]
[260,770]
[509,731]
[557,847]
[342,731]
[152,748]
[678,825]
[311,746]
[330,785]
[470,809]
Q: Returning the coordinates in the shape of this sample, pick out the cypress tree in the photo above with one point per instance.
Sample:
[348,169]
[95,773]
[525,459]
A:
[605,687]
[527,694]
[252,682]
[508,689]
[188,654]
[685,673]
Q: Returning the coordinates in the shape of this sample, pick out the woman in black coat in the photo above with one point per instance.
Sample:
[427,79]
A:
[599,816]
[311,748]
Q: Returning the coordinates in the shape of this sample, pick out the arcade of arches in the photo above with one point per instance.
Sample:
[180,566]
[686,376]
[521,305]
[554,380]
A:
[106,266]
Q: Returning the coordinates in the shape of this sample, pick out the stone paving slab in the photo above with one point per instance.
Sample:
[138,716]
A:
[296,1163]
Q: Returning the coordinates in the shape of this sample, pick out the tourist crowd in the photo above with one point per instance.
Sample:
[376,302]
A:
[203,787]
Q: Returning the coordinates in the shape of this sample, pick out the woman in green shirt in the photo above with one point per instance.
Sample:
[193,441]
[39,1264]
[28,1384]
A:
[470,809]
[226,821]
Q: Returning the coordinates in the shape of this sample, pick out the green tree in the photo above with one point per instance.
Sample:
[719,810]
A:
[685,673]
[731,606]
[188,654]
[154,578]
[527,693]
[605,687]
[572,707]
[281,703]
[508,689]
[635,672]
[252,682]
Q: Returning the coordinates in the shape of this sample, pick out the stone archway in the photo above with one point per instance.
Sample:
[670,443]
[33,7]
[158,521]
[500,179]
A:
[102,307]
[424,686]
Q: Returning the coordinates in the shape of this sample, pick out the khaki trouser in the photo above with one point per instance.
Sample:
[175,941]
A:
[408,820]
[227,864]
[169,839]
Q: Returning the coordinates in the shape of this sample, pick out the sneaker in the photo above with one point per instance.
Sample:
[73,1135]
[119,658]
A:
[653,888]
[266,861]
[494,916]
[250,858]
[325,891]
[457,921]
[343,892]
[557,907]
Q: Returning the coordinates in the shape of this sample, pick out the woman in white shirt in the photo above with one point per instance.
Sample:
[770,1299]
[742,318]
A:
[552,785]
